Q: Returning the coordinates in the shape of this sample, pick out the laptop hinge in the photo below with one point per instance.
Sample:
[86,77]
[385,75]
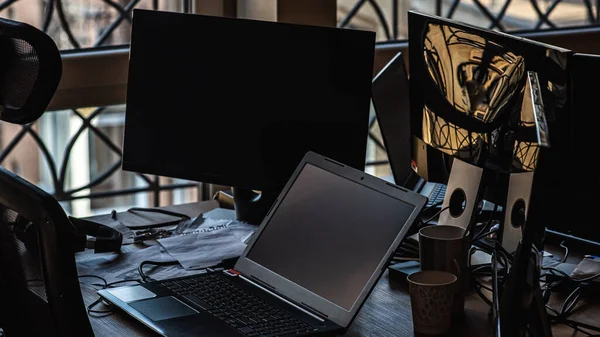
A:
[259,284]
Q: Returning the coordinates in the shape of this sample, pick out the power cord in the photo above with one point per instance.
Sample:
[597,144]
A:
[426,222]
[561,316]
[104,285]
[146,278]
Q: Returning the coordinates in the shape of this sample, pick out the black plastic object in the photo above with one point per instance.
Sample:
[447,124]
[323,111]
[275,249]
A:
[39,287]
[30,71]
[243,114]
[251,206]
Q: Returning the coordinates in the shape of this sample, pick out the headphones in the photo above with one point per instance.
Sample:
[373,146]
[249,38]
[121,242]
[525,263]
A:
[92,235]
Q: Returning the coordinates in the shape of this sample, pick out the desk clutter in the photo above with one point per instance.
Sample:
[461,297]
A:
[302,256]
[195,243]
[296,276]
[566,287]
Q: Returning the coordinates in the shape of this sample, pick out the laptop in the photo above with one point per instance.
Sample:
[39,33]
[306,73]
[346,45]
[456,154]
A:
[308,269]
[392,107]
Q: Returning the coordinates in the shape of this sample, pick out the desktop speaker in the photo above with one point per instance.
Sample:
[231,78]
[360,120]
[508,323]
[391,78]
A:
[515,211]
[463,194]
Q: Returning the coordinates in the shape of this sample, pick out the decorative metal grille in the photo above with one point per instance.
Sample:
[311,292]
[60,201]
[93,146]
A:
[57,20]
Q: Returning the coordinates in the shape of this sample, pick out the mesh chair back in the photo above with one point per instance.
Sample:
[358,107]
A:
[30,70]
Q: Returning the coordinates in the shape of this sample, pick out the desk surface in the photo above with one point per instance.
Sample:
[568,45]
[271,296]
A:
[387,311]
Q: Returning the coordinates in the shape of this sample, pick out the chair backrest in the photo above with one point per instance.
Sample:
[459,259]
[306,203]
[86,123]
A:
[30,70]
[39,287]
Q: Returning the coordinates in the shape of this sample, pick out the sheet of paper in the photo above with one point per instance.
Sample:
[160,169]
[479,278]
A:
[124,266]
[209,243]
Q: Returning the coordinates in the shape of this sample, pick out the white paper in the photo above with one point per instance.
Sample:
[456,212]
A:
[209,244]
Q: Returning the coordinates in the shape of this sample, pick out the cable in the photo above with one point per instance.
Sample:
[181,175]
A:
[146,278]
[564,259]
[424,223]
[482,233]
[477,288]
[104,285]
[567,308]
[159,210]
[432,206]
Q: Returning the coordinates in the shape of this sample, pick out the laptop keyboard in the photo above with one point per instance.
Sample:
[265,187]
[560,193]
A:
[225,300]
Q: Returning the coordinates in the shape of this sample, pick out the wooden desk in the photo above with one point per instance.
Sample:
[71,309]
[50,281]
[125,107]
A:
[387,312]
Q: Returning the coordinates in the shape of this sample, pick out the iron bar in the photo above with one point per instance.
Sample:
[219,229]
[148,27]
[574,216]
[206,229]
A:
[106,33]
[48,15]
[11,145]
[382,21]
[489,15]
[98,180]
[156,186]
[87,122]
[58,189]
[65,25]
[503,10]
[395,19]
[551,8]
[377,163]
[377,142]
[6,4]
[453,8]
[119,9]
[590,11]
[346,20]
[539,13]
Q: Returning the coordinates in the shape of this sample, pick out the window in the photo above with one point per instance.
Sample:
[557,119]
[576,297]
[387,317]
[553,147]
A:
[73,150]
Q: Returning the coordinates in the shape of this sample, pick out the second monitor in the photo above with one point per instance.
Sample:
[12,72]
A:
[239,102]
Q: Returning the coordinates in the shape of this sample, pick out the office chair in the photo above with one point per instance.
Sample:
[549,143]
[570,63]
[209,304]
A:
[39,287]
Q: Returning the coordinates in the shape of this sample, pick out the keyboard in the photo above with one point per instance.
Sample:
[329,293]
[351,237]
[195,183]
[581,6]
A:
[437,195]
[224,299]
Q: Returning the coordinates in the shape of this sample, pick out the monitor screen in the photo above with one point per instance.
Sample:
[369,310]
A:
[239,102]
[338,262]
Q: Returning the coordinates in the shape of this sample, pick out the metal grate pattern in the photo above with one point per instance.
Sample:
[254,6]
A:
[59,22]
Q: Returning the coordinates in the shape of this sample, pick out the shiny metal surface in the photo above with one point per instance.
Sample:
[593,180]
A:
[483,102]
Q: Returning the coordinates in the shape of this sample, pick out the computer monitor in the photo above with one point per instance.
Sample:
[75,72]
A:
[238,102]
[392,108]
[466,93]
[391,105]
[580,185]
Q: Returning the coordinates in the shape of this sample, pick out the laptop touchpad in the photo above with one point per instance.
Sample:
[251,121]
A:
[158,309]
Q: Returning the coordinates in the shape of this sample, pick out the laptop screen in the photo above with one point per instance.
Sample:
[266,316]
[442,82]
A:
[336,263]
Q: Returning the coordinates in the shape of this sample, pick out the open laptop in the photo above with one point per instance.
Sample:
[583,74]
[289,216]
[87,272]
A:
[392,107]
[309,268]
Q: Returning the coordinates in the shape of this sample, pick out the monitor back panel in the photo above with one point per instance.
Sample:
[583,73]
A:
[238,102]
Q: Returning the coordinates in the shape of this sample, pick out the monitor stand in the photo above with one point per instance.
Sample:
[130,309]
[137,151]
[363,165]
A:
[250,206]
